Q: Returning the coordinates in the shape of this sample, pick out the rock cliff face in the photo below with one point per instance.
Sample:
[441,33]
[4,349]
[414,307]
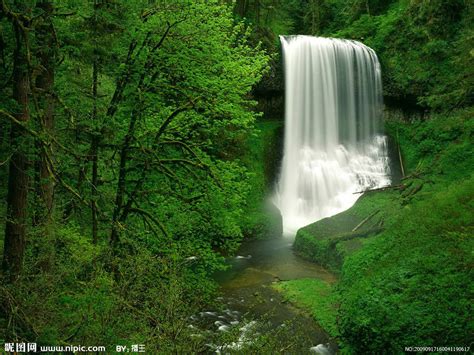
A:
[269,93]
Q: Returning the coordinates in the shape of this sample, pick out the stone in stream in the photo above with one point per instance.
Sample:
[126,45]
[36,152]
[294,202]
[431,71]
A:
[218,323]
[243,257]
[322,349]
[223,328]
[208,314]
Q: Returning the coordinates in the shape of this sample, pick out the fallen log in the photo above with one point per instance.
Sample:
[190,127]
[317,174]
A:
[354,235]
[415,175]
[400,156]
[365,220]
[389,187]
[410,193]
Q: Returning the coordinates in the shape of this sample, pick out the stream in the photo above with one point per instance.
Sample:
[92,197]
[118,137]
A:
[249,297]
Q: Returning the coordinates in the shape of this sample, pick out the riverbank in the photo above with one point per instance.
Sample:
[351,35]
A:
[251,287]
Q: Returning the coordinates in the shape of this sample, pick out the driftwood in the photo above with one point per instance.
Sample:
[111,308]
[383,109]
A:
[383,188]
[354,235]
[365,220]
[400,156]
[403,186]
[415,175]
[413,191]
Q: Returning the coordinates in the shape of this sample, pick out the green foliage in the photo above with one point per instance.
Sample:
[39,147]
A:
[440,146]
[158,94]
[270,17]
[315,296]
[77,300]
[411,284]
[424,46]
[202,66]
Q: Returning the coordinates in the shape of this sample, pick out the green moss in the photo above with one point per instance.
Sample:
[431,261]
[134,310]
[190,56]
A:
[329,241]
[316,297]
[413,283]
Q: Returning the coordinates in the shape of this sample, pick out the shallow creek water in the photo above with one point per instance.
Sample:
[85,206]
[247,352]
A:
[247,292]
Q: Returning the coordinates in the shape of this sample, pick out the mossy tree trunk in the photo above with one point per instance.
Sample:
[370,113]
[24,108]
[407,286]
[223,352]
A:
[45,83]
[18,178]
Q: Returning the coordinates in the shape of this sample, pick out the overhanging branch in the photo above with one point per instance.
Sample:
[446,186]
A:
[151,217]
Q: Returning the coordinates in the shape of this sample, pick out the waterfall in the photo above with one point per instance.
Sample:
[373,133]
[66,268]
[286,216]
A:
[333,144]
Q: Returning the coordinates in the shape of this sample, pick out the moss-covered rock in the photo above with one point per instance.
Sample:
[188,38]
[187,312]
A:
[329,241]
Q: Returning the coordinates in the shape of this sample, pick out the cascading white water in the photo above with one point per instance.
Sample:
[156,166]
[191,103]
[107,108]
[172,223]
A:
[333,146]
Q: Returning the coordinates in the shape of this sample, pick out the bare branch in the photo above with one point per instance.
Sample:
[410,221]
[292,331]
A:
[184,161]
[190,150]
[6,160]
[38,136]
[165,34]
[151,217]
[17,17]
[170,118]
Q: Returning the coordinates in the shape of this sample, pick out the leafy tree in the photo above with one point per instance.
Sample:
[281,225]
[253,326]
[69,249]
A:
[18,179]
[134,113]
[421,46]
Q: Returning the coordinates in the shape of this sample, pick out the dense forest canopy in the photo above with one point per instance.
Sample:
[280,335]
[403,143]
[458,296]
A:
[129,159]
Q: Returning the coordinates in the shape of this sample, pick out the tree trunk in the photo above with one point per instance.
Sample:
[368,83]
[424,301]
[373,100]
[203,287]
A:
[45,82]
[121,183]
[18,180]
[95,135]
[94,154]
[241,7]
[257,12]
